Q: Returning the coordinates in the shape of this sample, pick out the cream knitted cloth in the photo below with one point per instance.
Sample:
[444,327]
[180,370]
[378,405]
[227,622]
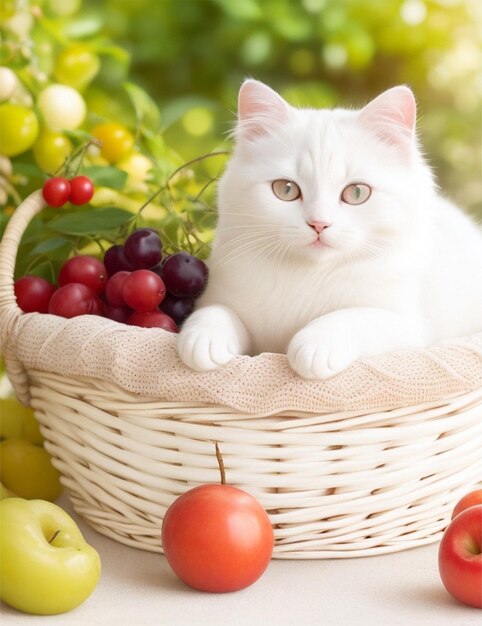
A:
[145,361]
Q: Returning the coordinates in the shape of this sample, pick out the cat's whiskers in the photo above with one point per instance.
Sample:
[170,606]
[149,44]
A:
[251,244]
[282,251]
[268,239]
[256,246]
[250,215]
[245,238]
[255,228]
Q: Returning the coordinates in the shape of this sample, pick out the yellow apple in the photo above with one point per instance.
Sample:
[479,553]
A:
[27,470]
[46,565]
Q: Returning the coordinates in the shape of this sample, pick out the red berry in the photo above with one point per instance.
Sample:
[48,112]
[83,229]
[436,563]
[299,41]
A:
[153,319]
[81,190]
[74,299]
[33,294]
[143,290]
[86,270]
[96,305]
[116,313]
[113,290]
[56,191]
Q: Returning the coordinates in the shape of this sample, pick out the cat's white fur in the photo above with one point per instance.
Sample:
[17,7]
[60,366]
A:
[401,271]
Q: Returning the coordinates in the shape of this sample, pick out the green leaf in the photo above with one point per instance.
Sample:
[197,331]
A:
[85,25]
[53,30]
[89,222]
[175,109]
[30,170]
[241,9]
[106,176]
[115,52]
[50,245]
[171,229]
[78,136]
[4,219]
[155,146]
[45,269]
[33,232]
[147,112]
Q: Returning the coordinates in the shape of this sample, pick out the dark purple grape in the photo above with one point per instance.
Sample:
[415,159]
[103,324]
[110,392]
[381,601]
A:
[177,308]
[143,248]
[157,269]
[116,313]
[115,261]
[184,275]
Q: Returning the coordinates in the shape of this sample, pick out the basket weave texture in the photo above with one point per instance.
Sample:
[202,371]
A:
[367,462]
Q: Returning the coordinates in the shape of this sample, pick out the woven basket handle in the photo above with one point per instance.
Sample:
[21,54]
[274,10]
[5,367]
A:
[9,310]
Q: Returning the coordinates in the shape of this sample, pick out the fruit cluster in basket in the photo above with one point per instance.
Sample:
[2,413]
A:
[134,284]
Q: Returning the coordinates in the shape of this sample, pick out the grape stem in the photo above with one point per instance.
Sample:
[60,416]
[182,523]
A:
[176,171]
[79,154]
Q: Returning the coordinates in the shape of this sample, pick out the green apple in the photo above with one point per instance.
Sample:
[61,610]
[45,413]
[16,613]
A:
[27,470]
[46,565]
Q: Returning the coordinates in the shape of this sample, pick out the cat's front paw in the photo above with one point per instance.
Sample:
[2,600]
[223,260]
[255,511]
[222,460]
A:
[210,338]
[321,350]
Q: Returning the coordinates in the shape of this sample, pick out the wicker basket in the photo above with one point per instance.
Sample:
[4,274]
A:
[338,483]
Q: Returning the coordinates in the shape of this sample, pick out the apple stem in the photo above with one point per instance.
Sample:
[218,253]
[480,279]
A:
[54,535]
[222,470]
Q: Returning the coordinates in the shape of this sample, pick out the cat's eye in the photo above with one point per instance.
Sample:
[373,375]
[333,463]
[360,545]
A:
[356,193]
[286,190]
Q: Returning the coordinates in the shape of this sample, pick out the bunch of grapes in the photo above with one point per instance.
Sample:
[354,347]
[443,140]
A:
[142,279]
[134,285]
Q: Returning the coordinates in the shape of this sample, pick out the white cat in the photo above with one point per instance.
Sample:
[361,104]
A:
[332,242]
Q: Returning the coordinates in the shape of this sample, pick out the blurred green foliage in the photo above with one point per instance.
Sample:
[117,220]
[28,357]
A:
[170,70]
[67,107]
[191,56]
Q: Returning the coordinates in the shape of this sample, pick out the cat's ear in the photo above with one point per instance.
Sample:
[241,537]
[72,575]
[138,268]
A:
[392,115]
[260,109]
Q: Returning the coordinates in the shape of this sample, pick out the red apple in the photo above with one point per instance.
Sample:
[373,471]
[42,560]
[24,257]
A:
[217,538]
[460,557]
[470,499]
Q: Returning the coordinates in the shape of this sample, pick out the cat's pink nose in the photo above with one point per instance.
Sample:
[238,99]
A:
[318,226]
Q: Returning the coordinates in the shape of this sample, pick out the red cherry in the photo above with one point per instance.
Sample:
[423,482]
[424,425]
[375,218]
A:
[113,290]
[75,299]
[153,319]
[33,294]
[86,270]
[56,191]
[81,190]
[143,290]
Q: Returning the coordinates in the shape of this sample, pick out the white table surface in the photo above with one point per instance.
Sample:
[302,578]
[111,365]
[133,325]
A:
[137,588]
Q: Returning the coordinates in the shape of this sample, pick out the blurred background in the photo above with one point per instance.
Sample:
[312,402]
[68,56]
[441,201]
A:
[190,57]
